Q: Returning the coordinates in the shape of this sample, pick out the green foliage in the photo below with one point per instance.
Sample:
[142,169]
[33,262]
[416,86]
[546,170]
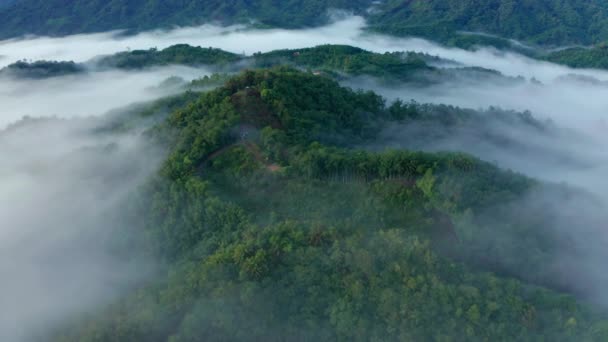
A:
[470,41]
[55,18]
[182,54]
[334,61]
[143,116]
[209,82]
[547,22]
[273,226]
[351,61]
[596,57]
[41,69]
[282,283]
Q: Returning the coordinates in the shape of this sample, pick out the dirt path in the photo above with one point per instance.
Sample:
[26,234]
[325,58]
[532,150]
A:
[253,148]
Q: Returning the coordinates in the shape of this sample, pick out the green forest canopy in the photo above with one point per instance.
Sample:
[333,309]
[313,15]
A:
[545,22]
[274,226]
[336,61]
[55,17]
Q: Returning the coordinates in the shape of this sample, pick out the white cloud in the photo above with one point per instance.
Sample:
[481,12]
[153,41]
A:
[46,182]
[84,94]
[59,187]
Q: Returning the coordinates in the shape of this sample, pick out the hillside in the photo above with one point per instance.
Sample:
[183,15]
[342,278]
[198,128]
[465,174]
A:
[55,17]
[337,183]
[595,57]
[545,22]
[41,69]
[273,225]
[340,62]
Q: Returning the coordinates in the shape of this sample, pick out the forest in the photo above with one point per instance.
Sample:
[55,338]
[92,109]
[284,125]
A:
[546,22]
[274,222]
[340,62]
[591,58]
[323,170]
[95,16]
[41,69]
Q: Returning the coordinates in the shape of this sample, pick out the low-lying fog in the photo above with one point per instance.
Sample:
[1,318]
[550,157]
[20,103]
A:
[60,186]
[50,186]
[85,94]
[237,39]
[561,96]
[572,102]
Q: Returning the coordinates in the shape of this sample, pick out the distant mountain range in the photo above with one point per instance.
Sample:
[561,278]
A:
[61,17]
[290,195]
[544,22]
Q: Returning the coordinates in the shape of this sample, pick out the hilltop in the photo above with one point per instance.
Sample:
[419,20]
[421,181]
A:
[275,224]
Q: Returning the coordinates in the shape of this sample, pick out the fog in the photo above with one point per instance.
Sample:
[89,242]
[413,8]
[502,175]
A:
[86,94]
[577,109]
[60,187]
[57,178]
[563,97]
[348,30]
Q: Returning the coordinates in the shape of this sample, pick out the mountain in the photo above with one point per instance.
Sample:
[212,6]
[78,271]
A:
[275,224]
[595,57]
[270,201]
[546,22]
[40,69]
[340,62]
[60,17]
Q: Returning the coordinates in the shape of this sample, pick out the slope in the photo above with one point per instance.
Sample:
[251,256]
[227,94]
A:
[546,22]
[60,17]
[332,242]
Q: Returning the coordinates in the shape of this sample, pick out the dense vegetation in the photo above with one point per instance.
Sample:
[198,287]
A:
[274,225]
[596,57]
[352,61]
[55,17]
[336,61]
[41,69]
[181,54]
[291,208]
[547,22]
[332,58]
[342,62]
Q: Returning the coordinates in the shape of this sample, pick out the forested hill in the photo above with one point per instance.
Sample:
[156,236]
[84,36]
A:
[547,22]
[335,61]
[274,226]
[58,17]
[596,57]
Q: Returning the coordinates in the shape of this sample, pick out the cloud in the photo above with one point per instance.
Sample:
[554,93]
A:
[86,94]
[57,177]
[560,93]
[578,112]
[560,98]
[61,186]
[348,30]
